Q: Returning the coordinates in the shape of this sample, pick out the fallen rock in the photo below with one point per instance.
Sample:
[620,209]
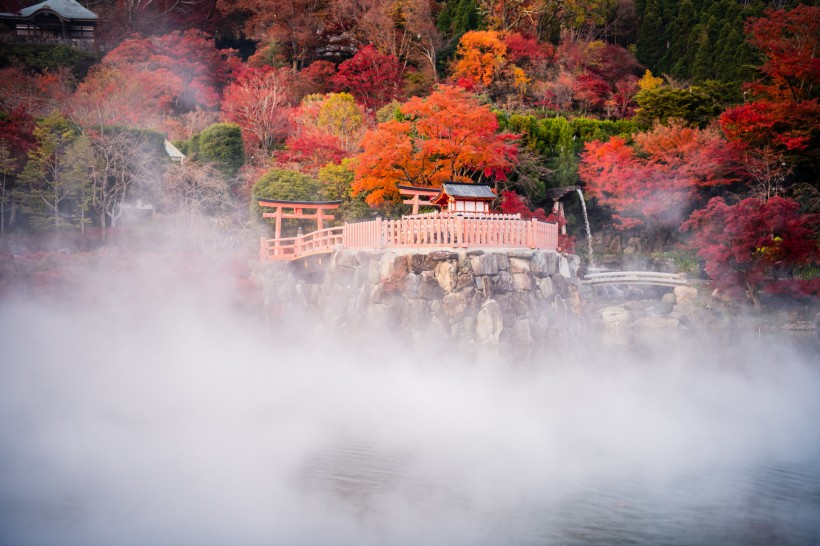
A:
[614,317]
[685,294]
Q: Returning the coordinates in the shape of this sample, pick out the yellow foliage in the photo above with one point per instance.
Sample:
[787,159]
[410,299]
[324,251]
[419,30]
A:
[649,82]
[520,80]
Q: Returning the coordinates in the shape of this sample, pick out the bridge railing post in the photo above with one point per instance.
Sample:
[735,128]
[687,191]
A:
[379,233]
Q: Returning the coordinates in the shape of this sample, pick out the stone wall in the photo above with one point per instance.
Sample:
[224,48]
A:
[517,297]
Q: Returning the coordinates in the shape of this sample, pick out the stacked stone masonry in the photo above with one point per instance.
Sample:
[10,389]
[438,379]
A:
[517,297]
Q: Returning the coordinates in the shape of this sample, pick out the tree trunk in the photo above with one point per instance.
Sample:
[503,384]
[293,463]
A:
[752,293]
[103,231]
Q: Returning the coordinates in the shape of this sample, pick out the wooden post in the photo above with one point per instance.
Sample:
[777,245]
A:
[380,236]
[263,249]
[278,232]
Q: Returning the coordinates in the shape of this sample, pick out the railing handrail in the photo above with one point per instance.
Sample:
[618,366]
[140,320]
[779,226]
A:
[453,230]
[606,274]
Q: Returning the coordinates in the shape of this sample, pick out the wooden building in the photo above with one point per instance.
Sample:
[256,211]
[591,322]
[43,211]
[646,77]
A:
[52,20]
[459,197]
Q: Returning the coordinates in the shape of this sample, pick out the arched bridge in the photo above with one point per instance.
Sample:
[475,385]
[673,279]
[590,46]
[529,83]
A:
[634,277]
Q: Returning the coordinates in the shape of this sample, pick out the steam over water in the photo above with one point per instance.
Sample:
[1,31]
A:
[147,408]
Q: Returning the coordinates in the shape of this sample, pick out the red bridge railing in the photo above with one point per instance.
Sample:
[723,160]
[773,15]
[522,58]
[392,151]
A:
[291,248]
[428,231]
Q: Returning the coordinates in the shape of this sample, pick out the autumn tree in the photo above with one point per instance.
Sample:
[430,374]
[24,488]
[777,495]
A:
[480,57]
[512,203]
[446,136]
[48,192]
[324,129]
[314,79]
[110,96]
[655,182]
[258,101]
[372,77]
[752,244]
[294,25]
[192,67]
[38,94]
[779,130]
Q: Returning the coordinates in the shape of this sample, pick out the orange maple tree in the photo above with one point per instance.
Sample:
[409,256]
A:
[445,136]
[479,57]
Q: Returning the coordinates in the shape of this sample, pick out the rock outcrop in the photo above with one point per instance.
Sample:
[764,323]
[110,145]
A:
[516,297]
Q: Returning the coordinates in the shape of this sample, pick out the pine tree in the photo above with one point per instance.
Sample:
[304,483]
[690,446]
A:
[651,45]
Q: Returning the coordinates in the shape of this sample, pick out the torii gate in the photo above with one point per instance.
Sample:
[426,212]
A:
[297,208]
[417,192]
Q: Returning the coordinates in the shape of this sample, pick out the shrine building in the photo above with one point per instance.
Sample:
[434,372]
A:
[52,20]
[458,197]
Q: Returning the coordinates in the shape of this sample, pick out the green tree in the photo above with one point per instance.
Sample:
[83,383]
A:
[696,104]
[336,181]
[48,191]
[285,185]
[565,164]
[651,44]
[458,17]
[220,144]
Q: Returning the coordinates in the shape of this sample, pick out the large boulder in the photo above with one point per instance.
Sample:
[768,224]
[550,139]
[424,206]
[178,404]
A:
[614,318]
[454,306]
[446,274]
[685,294]
[485,264]
[392,269]
[489,323]
[544,264]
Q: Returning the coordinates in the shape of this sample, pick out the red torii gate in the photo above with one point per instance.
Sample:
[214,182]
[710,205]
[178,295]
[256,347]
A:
[297,208]
[418,192]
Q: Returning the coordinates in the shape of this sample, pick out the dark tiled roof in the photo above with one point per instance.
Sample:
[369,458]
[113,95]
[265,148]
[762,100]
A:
[68,9]
[475,191]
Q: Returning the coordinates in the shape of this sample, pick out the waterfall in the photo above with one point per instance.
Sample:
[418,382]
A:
[589,231]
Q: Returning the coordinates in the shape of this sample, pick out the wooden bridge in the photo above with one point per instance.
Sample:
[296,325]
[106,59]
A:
[428,231]
[634,277]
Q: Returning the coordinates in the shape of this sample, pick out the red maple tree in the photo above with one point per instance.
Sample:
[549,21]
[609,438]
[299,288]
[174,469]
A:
[753,244]
[655,181]
[194,69]
[258,102]
[784,118]
[372,77]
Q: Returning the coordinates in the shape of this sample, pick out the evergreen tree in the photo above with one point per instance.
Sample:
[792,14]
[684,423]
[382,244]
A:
[458,17]
[702,63]
[565,164]
[651,44]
